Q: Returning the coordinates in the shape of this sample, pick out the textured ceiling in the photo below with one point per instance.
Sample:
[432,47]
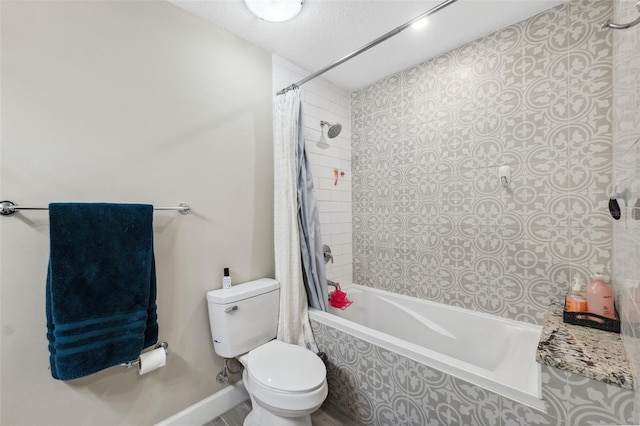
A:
[327,30]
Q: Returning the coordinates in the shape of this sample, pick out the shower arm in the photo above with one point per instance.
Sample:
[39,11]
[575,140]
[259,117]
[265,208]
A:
[368,46]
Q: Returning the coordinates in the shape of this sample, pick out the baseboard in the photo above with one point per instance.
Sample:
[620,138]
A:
[209,408]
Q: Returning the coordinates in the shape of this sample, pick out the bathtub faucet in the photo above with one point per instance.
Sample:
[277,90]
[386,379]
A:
[326,252]
[334,284]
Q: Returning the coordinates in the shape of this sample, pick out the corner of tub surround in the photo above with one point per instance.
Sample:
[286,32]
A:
[592,353]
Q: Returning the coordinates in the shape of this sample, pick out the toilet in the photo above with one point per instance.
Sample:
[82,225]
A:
[286,382]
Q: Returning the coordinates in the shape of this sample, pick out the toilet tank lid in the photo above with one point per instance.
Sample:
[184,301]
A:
[242,291]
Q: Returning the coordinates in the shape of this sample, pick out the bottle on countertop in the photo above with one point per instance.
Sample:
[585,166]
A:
[576,301]
[600,295]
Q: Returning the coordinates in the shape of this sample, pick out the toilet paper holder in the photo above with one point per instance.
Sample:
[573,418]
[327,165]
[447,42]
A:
[161,344]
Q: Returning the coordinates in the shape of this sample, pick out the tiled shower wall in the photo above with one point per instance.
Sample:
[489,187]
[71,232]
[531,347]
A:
[430,217]
[626,126]
[322,100]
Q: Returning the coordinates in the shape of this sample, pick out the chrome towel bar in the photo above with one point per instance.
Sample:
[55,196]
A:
[9,207]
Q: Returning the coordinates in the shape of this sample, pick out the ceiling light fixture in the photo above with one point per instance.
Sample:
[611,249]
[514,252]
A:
[274,10]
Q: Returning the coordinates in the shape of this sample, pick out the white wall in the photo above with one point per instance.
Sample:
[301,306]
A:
[129,102]
[322,100]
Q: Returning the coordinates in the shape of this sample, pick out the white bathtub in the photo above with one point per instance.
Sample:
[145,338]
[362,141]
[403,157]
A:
[495,353]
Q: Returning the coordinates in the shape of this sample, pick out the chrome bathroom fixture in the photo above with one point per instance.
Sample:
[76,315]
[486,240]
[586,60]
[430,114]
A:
[326,252]
[334,129]
[9,207]
[369,45]
[614,26]
[161,344]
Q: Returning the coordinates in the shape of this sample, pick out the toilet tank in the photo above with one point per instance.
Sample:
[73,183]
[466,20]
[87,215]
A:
[244,316]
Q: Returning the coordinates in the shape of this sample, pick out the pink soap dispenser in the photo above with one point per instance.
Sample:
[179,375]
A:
[600,295]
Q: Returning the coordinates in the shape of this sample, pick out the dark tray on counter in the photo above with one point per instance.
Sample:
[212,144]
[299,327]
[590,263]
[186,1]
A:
[588,319]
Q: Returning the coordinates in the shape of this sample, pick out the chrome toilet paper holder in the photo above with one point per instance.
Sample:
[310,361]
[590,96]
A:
[161,344]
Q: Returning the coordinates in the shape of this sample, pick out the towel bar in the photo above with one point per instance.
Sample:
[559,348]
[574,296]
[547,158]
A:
[9,207]
[161,344]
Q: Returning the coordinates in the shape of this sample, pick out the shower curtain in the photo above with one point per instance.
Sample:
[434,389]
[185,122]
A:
[315,278]
[293,322]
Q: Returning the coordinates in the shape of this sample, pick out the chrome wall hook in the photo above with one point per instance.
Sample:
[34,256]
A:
[609,24]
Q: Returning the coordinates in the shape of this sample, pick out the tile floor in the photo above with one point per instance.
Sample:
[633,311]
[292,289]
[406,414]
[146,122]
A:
[325,416]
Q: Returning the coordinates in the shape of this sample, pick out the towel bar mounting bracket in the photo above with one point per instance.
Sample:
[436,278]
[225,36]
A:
[7,207]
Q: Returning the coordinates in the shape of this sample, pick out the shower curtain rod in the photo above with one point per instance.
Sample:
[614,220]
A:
[368,46]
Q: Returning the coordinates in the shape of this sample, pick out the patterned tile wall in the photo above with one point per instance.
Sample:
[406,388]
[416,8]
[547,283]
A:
[430,218]
[626,231]
[377,387]
[322,100]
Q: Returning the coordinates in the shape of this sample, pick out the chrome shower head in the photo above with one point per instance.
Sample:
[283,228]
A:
[334,129]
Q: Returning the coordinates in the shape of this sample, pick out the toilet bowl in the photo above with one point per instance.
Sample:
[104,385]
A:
[286,382]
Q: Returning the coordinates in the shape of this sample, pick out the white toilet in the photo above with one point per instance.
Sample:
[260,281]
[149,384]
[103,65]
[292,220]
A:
[286,382]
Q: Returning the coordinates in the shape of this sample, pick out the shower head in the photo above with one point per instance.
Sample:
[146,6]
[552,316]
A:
[334,129]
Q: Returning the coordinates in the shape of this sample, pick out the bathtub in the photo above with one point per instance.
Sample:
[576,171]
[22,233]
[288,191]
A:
[491,352]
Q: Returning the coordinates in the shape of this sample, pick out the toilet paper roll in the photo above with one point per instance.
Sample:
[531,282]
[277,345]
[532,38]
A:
[152,360]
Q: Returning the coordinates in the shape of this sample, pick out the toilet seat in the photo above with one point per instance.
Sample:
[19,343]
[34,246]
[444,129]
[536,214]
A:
[283,367]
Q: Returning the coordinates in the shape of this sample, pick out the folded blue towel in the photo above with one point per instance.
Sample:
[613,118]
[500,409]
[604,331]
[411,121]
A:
[101,286]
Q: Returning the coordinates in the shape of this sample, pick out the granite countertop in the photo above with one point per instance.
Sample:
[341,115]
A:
[596,354]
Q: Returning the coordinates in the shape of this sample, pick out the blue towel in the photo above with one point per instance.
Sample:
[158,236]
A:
[101,286]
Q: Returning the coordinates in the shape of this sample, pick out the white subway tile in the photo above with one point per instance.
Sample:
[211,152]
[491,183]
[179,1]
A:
[317,101]
[341,218]
[323,194]
[332,228]
[344,239]
[342,111]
